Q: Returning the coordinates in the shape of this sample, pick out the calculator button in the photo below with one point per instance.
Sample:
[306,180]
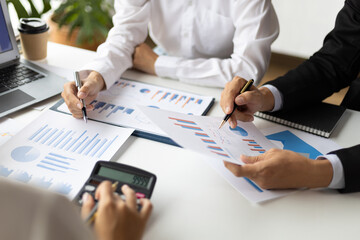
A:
[140,195]
[89,188]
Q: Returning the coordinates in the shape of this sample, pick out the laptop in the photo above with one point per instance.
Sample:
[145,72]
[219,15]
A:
[22,83]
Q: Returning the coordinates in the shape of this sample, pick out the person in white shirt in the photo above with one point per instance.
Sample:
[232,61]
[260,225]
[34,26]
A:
[207,42]
[33,214]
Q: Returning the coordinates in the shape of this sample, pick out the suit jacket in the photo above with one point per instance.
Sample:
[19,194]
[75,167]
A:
[335,66]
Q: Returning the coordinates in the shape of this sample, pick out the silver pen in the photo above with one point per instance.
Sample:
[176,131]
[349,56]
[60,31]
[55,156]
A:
[79,85]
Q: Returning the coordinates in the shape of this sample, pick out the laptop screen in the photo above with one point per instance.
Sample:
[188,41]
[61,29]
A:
[5,42]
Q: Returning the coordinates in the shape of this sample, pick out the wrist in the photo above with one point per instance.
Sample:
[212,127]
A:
[268,99]
[321,173]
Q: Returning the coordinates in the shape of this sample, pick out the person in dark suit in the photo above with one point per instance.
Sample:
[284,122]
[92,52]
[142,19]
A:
[335,66]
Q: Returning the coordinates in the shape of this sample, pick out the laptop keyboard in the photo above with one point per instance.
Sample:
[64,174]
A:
[17,75]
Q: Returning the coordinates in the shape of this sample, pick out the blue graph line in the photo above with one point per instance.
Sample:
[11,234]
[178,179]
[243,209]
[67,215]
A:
[187,122]
[52,169]
[49,136]
[56,165]
[107,146]
[63,137]
[253,142]
[37,132]
[128,110]
[75,140]
[92,147]
[191,128]
[66,142]
[87,144]
[79,144]
[60,156]
[107,107]
[56,160]
[99,105]
[43,134]
[98,148]
[56,137]
[253,184]
[115,110]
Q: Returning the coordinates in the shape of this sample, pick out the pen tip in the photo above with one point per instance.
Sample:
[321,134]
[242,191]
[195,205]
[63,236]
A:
[222,124]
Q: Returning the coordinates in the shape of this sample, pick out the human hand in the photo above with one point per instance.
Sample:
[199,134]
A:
[144,59]
[280,169]
[117,219]
[91,86]
[248,102]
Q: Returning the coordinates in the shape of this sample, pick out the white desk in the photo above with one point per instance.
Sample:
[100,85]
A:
[191,201]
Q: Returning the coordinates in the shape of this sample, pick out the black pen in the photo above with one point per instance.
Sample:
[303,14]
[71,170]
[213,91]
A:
[243,89]
[79,85]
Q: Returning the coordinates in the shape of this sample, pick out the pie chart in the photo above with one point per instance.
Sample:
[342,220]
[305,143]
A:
[25,154]
[239,131]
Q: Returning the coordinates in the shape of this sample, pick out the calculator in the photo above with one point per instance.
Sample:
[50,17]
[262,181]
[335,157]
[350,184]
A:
[141,181]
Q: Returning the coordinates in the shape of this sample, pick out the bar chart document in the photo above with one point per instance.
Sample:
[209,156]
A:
[119,105]
[58,152]
[202,134]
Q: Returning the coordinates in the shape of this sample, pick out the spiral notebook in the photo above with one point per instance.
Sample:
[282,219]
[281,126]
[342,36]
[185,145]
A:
[319,119]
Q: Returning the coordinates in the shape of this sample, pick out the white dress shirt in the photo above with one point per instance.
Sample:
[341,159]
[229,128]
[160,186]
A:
[33,214]
[207,42]
[338,180]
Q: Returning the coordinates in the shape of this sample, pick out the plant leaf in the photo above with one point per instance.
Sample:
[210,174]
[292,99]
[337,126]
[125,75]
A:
[19,8]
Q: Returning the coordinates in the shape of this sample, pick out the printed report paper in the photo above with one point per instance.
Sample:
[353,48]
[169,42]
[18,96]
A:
[58,152]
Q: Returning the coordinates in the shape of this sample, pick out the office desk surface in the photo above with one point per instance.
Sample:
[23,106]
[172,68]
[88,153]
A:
[192,201]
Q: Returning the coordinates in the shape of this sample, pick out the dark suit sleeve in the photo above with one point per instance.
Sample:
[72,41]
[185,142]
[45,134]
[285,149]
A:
[330,69]
[350,159]
[335,66]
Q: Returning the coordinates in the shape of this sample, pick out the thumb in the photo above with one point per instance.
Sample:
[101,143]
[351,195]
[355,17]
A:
[85,89]
[87,206]
[241,170]
[251,159]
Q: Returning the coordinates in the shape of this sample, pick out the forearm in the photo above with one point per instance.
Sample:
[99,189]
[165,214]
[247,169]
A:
[114,56]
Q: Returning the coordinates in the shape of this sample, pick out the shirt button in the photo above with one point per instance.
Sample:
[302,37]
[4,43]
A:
[186,35]
[190,3]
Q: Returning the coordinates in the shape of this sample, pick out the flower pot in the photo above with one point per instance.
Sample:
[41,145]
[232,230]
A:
[60,35]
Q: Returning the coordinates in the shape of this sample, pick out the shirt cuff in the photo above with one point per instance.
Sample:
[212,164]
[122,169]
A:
[338,180]
[165,66]
[278,98]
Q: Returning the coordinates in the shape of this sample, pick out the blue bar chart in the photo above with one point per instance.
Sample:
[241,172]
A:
[66,140]
[110,109]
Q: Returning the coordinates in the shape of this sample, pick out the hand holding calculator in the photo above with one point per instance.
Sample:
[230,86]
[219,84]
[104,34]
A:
[142,182]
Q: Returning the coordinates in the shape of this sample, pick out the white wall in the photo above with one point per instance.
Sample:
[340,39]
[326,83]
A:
[304,25]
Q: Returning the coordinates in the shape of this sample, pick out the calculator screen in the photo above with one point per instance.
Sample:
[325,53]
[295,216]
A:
[129,178]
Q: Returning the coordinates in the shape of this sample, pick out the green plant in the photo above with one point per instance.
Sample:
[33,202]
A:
[91,17]
[33,12]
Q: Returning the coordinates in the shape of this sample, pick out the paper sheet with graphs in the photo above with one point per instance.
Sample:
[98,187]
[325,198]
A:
[58,152]
[119,104]
[201,134]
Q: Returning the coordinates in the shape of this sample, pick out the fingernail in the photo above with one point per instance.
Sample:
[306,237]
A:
[78,105]
[81,95]
[227,110]
[85,197]
[125,186]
